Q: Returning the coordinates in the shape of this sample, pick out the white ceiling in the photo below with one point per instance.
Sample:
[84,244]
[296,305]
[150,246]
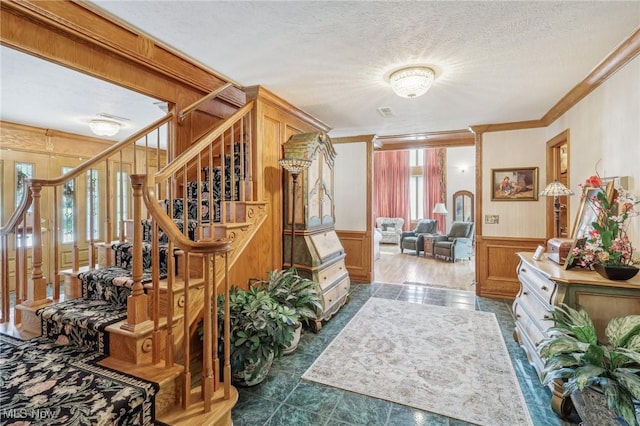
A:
[495,61]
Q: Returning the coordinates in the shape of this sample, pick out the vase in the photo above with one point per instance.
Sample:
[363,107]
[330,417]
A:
[294,342]
[254,372]
[618,273]
[591,406]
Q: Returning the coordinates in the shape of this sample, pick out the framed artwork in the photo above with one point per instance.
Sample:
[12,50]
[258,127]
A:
[587,212]
[571,260]
[515,184]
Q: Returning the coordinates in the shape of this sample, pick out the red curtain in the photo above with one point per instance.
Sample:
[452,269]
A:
[434,178]
[391,185]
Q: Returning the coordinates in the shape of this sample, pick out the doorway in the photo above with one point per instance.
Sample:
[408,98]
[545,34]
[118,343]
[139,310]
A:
[558,169]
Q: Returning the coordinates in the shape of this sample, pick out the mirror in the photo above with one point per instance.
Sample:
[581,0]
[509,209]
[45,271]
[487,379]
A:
[463,206]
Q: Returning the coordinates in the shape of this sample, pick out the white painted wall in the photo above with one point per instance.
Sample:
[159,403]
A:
[461,175]
[350,187]
[514,149]
[604,137]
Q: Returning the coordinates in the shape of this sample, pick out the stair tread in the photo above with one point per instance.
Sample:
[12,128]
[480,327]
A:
[157,373]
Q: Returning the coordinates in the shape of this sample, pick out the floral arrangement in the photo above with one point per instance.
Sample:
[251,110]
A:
[608,243]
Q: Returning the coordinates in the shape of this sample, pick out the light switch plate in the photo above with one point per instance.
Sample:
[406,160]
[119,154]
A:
[491,219]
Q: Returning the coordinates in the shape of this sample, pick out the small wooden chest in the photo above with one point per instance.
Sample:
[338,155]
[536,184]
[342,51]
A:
[558,249]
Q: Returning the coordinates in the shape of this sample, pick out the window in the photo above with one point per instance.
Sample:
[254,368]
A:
[23,171]
[122,198]
[93,204]
[68,205]
[416,184]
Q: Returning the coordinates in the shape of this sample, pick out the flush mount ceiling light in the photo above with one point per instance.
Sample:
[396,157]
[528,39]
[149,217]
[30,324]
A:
[103,127]
[411,82]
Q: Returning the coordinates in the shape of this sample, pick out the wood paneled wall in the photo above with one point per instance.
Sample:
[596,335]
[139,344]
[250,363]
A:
[496,263]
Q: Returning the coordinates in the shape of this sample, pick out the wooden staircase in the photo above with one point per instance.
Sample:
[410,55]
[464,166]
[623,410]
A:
[157,341]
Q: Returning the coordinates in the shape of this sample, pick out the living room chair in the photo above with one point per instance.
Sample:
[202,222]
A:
[414,240]
[457,244]
[390,228]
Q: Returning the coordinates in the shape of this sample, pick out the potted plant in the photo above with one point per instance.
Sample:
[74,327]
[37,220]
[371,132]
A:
[261,329]
[573,353]
[301,294]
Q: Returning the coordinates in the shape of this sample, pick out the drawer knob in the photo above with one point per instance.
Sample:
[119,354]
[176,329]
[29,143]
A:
[324,278]
[518,316]
[547,317]
[544,288]
[524,270]
[525,292]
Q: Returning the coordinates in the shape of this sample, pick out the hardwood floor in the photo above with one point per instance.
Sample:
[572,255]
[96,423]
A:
[395,267]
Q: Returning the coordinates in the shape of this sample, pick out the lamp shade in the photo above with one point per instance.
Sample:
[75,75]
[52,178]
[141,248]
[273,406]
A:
[555,189]
[440,209]
[294,165]
[411,82]
[104,127]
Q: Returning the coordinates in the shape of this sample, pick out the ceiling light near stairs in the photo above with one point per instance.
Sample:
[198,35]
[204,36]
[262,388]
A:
[411,82]
[103,127]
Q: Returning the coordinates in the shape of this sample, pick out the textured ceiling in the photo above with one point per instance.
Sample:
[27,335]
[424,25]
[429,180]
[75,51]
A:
[495,61]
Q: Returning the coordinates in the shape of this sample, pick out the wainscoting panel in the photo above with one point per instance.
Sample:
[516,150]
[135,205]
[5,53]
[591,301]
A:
[496,263]
[358,246]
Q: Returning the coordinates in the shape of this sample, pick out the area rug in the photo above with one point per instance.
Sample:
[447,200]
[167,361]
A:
[448,361]
[48,384]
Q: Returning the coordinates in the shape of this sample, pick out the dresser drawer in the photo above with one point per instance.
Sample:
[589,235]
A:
[331,274]
[537,283]
[334,297]
[537,309]
[529,325]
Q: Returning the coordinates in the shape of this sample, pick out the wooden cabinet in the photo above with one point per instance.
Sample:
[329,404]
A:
[544,284]
[318,253]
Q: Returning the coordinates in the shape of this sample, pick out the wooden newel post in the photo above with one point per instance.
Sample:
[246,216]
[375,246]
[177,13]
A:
[137,303]
[37,286]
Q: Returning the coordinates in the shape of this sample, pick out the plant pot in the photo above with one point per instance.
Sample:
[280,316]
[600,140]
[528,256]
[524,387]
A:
[618,273]
[294,342]
[591,405]
[253,372]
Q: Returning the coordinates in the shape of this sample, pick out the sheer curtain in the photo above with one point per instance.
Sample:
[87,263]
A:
[435,183]
[391,185]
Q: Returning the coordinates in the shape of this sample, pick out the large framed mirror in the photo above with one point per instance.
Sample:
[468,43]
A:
[463,206]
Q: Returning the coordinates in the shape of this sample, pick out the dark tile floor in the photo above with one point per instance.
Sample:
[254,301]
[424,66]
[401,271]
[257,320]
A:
[285,399]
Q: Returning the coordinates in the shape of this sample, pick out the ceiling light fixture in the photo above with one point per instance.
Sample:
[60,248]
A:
[411,82]
[104,127]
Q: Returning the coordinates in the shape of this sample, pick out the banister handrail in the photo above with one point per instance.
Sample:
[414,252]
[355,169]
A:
[201,144]
[83,167]
[16,218]
[199,102]
[170,228]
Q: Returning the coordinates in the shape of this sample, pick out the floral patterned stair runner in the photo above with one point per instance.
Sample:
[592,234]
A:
[49,384]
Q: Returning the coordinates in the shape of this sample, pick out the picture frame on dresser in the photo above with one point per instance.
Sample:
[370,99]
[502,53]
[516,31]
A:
[586,213]
[572,261]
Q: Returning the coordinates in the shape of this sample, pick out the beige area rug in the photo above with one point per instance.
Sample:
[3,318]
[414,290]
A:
[448,361]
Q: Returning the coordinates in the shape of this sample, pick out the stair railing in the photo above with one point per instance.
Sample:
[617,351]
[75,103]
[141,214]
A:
[21,237]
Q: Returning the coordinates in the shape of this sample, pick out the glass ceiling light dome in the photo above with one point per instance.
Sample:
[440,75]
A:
[102,127]
[411,82]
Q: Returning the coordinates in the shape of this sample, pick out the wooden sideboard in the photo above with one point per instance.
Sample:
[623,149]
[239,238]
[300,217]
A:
[543,284]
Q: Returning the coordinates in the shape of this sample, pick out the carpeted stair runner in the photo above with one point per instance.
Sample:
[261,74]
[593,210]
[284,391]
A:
[47,384]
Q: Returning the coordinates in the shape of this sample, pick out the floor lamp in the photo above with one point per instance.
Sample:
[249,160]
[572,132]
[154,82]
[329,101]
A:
[556,189]
[441,209]
[294,166]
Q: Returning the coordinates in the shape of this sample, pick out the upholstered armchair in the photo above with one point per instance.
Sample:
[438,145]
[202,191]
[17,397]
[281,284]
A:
[457,244]
[390,228]
[414,240]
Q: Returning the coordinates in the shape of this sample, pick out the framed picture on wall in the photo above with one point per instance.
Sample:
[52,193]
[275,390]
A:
[515,184]
[586,212]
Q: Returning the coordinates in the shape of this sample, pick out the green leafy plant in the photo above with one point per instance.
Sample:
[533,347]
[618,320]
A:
[290,289]
[572,353]
[261,328]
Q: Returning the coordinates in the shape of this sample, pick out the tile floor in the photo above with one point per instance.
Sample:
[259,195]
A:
[285,399]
